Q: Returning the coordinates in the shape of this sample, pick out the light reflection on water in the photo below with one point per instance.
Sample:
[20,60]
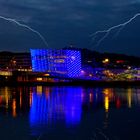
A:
[54,108]
[55,105]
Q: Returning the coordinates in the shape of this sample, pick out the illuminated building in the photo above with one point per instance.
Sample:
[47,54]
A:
[22,61]
[15,61]
[66,62]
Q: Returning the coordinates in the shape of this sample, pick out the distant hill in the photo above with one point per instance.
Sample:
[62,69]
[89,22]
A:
[95,58]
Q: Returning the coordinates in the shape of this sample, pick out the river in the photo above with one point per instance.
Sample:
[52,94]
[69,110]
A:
[69,113]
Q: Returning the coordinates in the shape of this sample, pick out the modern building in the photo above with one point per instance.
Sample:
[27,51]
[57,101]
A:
[15,61]
[65,62]
[22,61]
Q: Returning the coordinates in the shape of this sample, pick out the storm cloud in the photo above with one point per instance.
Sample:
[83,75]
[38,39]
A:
[65,22]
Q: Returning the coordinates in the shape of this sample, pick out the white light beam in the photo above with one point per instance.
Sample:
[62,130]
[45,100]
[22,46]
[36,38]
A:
[27,27]
[107,32]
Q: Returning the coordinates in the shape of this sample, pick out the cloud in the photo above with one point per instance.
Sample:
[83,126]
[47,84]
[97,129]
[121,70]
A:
[65,21]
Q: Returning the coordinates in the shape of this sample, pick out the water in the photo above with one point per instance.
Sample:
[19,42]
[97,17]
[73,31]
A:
[69,113]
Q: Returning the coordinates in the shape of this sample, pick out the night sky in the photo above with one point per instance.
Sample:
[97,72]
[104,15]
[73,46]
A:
[66,22]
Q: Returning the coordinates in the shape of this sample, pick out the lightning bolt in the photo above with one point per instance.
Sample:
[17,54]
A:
[27,27]
[107,32]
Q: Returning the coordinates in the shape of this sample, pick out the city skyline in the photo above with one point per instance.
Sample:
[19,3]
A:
[62,23]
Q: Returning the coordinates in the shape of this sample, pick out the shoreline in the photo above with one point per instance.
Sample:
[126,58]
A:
[73,83]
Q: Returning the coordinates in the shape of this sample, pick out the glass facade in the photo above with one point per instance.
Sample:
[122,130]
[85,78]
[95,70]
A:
[67,62]
[39,60]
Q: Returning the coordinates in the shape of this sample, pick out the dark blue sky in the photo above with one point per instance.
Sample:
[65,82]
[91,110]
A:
[65,22]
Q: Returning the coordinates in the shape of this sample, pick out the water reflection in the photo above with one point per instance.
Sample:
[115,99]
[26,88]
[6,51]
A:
[48,104]
[14,100]
[49,107]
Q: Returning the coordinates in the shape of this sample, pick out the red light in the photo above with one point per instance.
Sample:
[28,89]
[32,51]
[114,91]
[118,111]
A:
[118,103]
[120,61]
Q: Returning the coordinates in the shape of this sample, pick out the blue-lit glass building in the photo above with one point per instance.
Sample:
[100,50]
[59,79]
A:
[67,62]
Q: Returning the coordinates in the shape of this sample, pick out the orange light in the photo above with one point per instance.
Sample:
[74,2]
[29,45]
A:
[106,60]
[20,100]
[46,74]
[14,108]
[91,97]
[39,79]
[106,92]
[31,97]
[39,90]
[129,97]
[106,105]
[14,62]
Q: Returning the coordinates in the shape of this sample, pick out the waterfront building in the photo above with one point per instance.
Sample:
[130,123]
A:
[64,62]
[5,58]
[15,61]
